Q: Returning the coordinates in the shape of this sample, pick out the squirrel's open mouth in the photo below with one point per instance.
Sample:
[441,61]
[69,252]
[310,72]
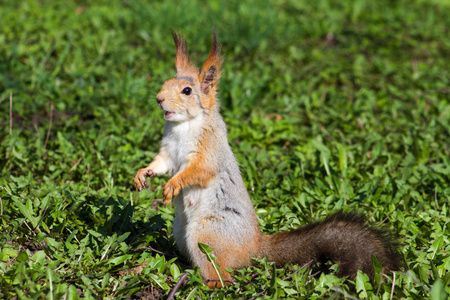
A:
[168,114]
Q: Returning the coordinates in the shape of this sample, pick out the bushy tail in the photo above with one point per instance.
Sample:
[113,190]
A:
[343,237]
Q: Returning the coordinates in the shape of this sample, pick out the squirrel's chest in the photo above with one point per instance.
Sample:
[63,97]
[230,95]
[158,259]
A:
[179,151]
[180,141]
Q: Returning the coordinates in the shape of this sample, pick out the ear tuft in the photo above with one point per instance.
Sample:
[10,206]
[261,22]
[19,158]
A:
[210,73]
[182,59]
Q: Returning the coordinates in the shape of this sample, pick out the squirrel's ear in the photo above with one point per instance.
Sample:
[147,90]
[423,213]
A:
[210,73]
[182,60]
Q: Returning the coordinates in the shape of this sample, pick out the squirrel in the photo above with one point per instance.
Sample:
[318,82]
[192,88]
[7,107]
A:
[213,206]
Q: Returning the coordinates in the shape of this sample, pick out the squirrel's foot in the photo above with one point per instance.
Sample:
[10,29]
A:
[139,180]
[171,190]
[215,283]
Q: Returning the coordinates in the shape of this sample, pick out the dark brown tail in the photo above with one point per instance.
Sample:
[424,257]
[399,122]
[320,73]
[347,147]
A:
[343,237]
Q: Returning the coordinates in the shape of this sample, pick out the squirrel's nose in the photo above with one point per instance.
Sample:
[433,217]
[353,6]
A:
[159,98]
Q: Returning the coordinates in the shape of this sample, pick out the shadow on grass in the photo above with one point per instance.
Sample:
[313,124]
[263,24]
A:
[115,215]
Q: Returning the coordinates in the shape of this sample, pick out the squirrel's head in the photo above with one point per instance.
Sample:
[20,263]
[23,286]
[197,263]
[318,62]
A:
[192,91]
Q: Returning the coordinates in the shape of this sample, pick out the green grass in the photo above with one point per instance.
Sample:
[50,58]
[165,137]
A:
[329,104]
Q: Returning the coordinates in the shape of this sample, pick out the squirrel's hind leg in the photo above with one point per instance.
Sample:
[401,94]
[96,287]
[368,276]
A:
[211,277]
[229,256]
[209,273]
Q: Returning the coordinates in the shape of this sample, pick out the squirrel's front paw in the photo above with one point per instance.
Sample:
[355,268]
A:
[139,180]
[171,190]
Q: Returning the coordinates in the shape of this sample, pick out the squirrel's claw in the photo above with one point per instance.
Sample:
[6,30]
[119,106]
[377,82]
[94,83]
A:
[139,180]
[171,190]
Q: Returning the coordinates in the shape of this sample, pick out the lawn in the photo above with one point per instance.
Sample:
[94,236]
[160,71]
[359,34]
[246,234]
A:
[330,105]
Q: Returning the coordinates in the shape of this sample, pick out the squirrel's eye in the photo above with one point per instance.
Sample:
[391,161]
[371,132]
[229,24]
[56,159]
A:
[187,91]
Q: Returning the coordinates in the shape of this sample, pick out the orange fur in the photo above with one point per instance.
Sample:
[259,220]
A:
[229,255]
[194,174]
